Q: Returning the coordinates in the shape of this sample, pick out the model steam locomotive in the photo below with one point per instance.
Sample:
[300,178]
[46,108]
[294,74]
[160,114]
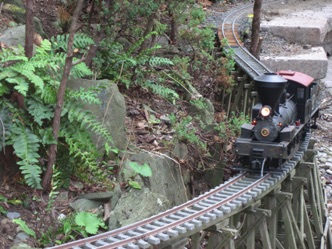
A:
[280,120]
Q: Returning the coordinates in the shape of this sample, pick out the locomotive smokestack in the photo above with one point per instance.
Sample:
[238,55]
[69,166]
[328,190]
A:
[270,87]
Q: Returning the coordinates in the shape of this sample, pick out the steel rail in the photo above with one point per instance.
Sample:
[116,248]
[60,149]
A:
[241,54]
[158,216]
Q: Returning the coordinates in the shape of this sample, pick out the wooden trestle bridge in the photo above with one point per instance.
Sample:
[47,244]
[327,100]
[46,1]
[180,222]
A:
[292,215]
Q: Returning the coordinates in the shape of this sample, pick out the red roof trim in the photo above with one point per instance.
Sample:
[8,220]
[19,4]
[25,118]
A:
[298,77]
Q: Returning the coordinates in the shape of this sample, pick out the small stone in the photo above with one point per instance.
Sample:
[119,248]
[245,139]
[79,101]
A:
[13,215]
[329,171]
[21,246]
[5,221]
[328,83]
[165,119]
[20,237]
[77,185]
[329,207]
[63,196]
[61,216]
[323,160]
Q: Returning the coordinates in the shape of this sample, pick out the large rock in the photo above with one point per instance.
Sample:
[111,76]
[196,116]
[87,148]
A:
[312,26]
[314,63]
[163,190]
[16,9]
[14,36]
[137,205]
[166,176]
[111,112]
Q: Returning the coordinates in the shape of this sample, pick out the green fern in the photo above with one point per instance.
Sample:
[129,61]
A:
[85,152]
[139,42]
[86,95]
[88,121]
[49,94]
[26,146]
[81,41]
[163,91]
[7,55]
[159,61]
[39,111]
[29,129]
[80,70]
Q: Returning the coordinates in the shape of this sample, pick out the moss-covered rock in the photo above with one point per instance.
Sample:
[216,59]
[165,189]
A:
[16,11]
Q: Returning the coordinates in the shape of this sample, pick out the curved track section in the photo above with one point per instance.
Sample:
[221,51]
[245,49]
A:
[244,59]
[184,220]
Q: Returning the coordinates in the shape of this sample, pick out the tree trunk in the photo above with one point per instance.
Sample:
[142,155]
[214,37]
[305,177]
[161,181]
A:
[60,98]
[256,22]
[29,28]
[174,28]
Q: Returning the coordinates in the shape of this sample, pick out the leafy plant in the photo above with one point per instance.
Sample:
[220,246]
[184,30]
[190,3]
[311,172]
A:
[75,226]
[24,227]
[26,124]
[230,127]
[89,222]
[143,170]
[55,183]
[2,209]
[185,131]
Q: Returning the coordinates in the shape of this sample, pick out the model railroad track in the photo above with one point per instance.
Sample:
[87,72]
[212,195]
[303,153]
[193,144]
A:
[210,208]
[229,30]
[197,214]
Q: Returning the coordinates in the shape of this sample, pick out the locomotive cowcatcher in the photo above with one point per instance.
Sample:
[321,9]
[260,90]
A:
[279,121]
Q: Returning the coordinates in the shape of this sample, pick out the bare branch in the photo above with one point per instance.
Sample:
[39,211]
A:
[60,97]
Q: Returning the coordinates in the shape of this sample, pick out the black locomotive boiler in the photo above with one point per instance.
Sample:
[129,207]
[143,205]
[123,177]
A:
[279,121]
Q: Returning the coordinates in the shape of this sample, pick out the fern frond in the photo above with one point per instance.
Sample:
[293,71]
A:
[34,78]
[21,85]
[88,120]
[9,55]
[22,66]
[159,61]
[164,92]
[49,94]
[44,47]
[81,41]
[140,41]
[86,95]
[26,146]
[81,137]
[4,89]
[80,70]
[82,148]
[39,111]
[7,73]
[6,122]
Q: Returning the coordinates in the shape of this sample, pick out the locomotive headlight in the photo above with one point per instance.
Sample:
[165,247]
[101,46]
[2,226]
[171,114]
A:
[266,111]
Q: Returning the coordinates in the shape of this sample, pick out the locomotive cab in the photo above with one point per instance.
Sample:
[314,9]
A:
[303,89]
